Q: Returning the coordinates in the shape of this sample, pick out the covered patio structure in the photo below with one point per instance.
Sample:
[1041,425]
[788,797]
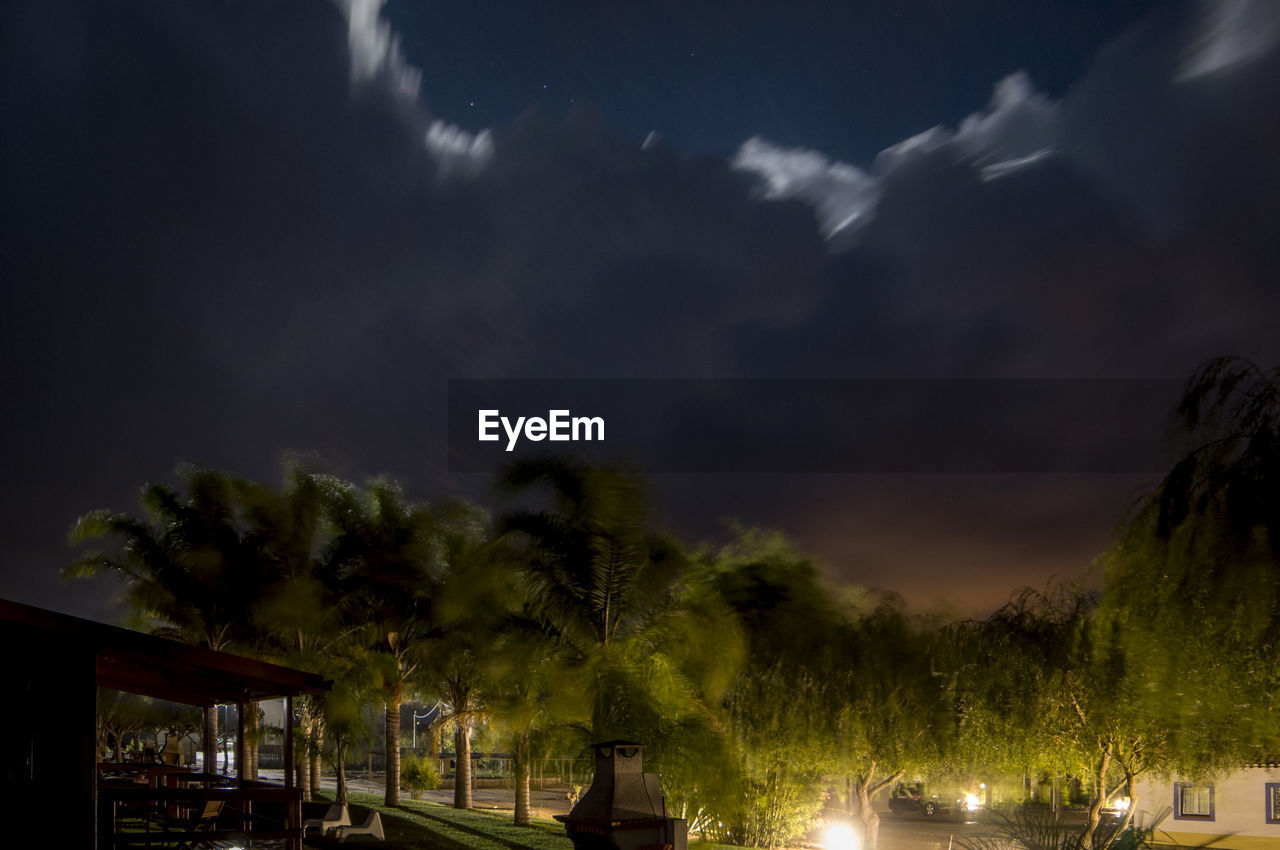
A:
[50,791]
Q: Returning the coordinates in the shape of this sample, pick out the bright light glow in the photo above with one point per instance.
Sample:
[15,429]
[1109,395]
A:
[1123,804]
[971,802]
[840,836]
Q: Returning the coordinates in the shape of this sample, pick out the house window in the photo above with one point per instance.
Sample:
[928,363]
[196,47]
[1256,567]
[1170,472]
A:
[1273,802]
[1192,802]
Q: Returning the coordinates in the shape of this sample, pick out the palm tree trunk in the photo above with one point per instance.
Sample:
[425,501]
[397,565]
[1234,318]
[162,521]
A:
[522,779]
[249,770]
[462,775]
[298,763]
[392,796]
[340,761]
[313,753]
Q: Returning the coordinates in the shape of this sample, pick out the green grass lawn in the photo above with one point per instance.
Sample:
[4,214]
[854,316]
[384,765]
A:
[419,825]
[430,826]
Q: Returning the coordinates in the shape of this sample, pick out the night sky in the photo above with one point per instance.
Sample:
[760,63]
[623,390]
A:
[236,229]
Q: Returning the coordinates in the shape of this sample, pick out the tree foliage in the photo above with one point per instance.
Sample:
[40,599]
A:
[1192,586]
[756,686]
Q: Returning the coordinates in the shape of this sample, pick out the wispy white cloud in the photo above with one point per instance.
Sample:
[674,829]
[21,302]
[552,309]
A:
[1231,32]
[1006,167]
[1019,128]
[921,144]
[375,50]
[843,196]
[456,151]
[1018,122]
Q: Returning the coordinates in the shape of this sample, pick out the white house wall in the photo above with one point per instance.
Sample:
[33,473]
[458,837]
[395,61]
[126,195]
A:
[1239,817]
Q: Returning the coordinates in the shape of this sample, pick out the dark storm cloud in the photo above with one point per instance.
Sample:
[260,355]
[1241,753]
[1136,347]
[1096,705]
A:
[228,239]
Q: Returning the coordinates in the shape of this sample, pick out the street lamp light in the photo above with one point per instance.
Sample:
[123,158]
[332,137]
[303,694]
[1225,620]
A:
[416,718]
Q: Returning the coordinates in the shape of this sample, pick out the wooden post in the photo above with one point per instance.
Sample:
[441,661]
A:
[288,743]
[242,747]
[209,740]
[294,816]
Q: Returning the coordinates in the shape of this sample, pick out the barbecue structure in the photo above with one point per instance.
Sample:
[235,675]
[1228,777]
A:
[623,809]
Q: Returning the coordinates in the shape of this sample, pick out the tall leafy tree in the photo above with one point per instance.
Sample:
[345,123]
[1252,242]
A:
[597,574]
[187,569]
[894,704]
[521,675]
[779,699]
[1042,691]
[1192,584]
[1203,550]
[834,682]
[626,630]
[297,614]
[473,600]
[384,556]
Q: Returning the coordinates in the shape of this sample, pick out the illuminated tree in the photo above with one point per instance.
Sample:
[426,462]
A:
[596,574]
[382,556]
[893,708]
[1046,689]
[620,624]
[1192,585]
[779,702]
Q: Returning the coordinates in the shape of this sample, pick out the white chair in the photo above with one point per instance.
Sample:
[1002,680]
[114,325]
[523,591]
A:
[372,826]
[336,816]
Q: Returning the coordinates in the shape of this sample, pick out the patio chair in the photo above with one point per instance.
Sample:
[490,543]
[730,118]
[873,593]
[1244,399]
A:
[372,826]
[336,816]
[205,821]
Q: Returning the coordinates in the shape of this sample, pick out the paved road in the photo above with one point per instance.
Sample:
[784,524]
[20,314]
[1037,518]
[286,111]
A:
[940,833]
[921,833]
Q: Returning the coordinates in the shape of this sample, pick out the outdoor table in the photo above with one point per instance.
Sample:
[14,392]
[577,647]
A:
[156,773]
[238,818]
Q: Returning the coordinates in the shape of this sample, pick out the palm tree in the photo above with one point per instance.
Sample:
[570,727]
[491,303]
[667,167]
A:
[188,571]
[596,575]
[186,566]
[522,685]
[383,555]
[298,614]
[473,599]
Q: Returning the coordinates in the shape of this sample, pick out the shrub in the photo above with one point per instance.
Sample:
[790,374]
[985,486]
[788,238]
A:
[419,774]
[771,813]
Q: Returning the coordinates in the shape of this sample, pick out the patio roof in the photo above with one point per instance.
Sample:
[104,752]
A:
[166,669]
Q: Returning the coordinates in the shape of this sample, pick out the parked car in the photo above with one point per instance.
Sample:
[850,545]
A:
[909,800]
